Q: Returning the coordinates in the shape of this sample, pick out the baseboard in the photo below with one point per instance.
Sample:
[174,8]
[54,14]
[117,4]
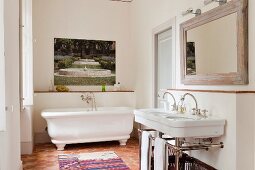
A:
[134,134]
[42,137]
[21,165]
[135,131]
[27,148]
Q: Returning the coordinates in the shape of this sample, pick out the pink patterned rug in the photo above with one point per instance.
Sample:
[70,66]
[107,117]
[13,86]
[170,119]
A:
[92,161]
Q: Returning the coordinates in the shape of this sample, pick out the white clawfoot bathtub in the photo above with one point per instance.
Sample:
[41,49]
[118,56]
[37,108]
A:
[78,125]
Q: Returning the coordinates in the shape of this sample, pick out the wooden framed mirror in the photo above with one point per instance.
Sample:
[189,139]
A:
[214,46]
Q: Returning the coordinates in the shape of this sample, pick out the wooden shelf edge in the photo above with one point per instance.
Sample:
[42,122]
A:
[122,91]
[215,91]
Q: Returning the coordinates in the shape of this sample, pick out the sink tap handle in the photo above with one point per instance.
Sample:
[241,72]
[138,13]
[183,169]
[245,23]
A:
[174,107]
[158,95]
[182,98]
[203,112]
[194,110]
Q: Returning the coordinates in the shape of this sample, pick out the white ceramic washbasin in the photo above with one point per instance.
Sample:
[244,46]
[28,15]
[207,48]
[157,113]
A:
[180,125]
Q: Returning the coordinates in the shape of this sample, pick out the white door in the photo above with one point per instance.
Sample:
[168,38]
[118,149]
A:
[164,62]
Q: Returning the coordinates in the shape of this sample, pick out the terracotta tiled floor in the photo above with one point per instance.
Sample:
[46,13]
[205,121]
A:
[45,156]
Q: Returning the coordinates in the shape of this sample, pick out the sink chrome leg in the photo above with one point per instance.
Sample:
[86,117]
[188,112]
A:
[140,144]
[177,155]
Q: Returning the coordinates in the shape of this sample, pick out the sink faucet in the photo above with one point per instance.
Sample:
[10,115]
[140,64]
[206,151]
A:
[90,97]
[195,110]
[174,105]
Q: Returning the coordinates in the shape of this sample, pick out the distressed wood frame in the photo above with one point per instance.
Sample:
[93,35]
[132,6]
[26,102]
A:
[236,78]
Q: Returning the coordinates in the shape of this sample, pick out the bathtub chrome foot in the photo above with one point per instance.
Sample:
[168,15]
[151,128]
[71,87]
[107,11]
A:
[60,147]
[123,142]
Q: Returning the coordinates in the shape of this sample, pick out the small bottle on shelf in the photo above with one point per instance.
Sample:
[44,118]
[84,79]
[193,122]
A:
[103,88]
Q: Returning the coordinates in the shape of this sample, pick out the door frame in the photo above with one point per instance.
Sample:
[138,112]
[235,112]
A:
[2,71]
[169,24]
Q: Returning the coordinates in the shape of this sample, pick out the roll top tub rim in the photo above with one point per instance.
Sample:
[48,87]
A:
[75,112]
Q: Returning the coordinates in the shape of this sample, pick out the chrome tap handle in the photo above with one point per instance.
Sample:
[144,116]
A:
[194,110]
[203,112]
[82,97]
[158,95]
[174,107]
[198,112]
[182,98]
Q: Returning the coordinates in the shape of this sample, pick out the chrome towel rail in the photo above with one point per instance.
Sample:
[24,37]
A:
[178,149]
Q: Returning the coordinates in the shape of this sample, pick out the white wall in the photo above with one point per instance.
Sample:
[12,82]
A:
[148,14]
[145,16]
[81,19]
[245,131]
[10,140]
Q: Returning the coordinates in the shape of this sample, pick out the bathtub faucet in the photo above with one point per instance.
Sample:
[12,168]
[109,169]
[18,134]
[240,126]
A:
[90,97]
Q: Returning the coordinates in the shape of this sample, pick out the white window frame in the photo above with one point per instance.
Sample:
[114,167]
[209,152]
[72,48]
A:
[170,24]
[27,53]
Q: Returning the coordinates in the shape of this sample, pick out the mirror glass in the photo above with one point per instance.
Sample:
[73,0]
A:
[212,47]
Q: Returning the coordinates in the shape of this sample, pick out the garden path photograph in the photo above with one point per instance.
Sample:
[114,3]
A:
[80,62]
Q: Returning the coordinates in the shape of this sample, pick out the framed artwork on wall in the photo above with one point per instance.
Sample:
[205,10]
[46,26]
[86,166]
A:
[81,62]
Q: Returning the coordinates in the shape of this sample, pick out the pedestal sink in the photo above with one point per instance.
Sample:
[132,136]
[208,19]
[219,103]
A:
[180,125]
